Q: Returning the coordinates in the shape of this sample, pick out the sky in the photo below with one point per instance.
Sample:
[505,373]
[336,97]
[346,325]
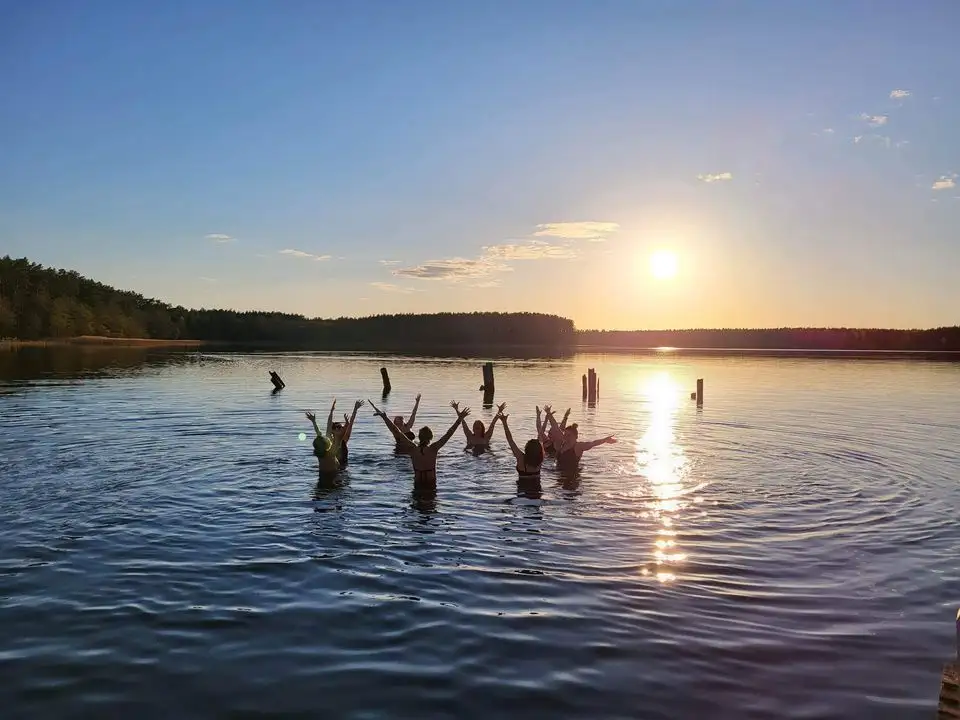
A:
[795,162]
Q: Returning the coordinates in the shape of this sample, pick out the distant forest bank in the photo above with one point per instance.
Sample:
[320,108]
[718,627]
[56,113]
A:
[45,306]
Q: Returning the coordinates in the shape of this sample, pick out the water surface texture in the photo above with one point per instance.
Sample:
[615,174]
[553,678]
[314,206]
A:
[788,551]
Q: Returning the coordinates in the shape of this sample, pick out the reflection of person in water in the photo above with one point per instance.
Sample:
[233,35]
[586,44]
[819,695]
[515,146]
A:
[423,454]
[478,438]
[570,449]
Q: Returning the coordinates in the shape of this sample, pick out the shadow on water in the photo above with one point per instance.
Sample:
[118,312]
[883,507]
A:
[38,363]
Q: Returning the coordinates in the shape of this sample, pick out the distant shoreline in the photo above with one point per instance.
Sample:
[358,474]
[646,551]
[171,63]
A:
[100,340]
[488,350]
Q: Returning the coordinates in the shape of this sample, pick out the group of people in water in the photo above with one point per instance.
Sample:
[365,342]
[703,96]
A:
[554,439]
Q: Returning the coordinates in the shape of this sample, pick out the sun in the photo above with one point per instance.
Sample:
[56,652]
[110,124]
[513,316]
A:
[663,264]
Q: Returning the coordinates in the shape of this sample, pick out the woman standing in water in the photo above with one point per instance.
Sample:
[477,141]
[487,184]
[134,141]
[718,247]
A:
[423,454]
[550,433]
[406,426]
[344,430]
[529,459]
[326,445]
[570,449]
[478,439]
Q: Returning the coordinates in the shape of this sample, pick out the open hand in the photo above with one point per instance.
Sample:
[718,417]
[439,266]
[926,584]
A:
[503,418]
[455,405]
[311,417]
[346,419]
[501,407]
[358,404]
[463,413]
[548,409]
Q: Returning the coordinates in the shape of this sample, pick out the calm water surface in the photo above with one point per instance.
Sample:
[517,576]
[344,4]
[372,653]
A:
[788,551]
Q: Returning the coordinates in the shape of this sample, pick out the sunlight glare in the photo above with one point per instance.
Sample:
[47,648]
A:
[663,264]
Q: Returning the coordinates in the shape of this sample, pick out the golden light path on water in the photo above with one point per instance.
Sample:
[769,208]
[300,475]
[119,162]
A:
[661,461]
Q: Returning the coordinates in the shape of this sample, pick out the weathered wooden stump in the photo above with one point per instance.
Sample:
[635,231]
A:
[386,381]
[278,383]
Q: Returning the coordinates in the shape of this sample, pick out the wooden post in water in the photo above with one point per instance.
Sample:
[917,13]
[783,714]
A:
[584,388]
[591,385]
[386,381]
[489,386]
[699,392]
[278,383]
[949,707]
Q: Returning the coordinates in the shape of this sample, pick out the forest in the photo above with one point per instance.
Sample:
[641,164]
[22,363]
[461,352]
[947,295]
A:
[45,303]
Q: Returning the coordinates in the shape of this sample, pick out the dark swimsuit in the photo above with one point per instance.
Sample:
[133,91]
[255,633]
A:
[528,474]
[343,455]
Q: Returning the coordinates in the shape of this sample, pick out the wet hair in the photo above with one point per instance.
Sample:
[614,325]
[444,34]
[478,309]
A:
[321,446]
[337,427]
[479,428]
[533,453]
[398,420]
[573,428]
[425,436]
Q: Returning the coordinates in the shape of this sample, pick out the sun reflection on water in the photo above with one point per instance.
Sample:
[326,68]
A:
[661,461]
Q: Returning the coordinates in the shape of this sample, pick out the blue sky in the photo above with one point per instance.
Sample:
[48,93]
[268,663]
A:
[349,158]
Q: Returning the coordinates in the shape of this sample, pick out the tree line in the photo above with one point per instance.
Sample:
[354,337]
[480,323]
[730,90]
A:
[852,339]
[44,303]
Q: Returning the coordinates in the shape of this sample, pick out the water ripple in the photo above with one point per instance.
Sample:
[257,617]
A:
[787,551]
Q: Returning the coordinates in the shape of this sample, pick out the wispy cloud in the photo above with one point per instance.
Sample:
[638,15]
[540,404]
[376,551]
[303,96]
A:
[715,177]
[304,255]
[219,237]
[390,287]
[899,94]
[493,259]
[875,139]
[874,120]
[530,250]
[591,230]
[946,182]
[828,131]
[451,269]
[389,262]
[207,279]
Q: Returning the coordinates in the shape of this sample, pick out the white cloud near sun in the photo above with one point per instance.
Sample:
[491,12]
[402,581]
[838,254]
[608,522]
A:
[219,238]
[583,230]
[899,94]
[494,259]
[715,177]
[946,182]
[304,255]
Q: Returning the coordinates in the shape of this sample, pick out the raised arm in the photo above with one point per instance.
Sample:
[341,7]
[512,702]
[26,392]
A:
[541,427]
[313,418]
[413,415]
[461,414]
[463,423]
[499,416]
[566,416]
[330,418]
[517,452]
[394,430]
[552,420]
[584,446]
[348,430]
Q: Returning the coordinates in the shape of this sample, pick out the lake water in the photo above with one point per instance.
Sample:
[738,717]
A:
[789,551]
